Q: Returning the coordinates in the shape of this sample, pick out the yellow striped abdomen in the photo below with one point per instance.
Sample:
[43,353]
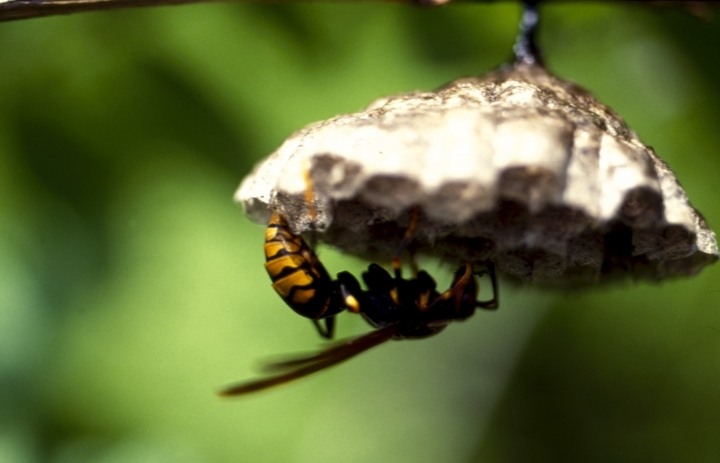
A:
[296,272]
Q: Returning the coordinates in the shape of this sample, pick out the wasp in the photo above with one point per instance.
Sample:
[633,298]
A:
[396,307]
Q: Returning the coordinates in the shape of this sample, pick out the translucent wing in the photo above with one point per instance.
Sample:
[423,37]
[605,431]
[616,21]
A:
[304,366]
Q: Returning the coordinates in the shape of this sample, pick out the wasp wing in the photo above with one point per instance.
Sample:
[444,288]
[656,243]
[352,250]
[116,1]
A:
[347,347]
[304,366]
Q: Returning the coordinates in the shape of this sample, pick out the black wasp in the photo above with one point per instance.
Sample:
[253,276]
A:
[398,308]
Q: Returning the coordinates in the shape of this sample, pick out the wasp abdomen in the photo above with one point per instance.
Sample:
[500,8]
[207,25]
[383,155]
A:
[297,274]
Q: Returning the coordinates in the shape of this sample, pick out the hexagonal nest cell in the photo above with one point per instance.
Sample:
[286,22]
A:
[517,167]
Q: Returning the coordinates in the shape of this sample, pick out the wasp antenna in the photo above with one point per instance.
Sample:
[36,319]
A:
[309,365]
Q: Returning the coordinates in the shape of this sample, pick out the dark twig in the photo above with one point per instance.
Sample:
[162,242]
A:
[25,9]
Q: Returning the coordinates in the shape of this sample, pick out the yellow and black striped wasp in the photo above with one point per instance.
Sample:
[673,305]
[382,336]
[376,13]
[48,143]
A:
[398,308]
[300,278]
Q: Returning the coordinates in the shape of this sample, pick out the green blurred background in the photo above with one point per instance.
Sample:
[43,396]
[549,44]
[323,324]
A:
[132,288]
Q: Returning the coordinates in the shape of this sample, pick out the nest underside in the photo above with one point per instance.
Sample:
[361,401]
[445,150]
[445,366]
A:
[557,246]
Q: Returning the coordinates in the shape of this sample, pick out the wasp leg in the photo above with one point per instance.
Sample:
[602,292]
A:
[495,301]
[397,268]
[407,237]
[425,291]
[413,264]
[329,331]
[460,296]
[397,265]
[399,292]
[310,202]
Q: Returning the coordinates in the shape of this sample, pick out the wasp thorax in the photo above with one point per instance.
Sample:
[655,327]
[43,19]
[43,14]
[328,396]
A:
[516,166]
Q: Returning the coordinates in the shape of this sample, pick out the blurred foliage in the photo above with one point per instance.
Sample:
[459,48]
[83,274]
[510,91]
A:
[132,287]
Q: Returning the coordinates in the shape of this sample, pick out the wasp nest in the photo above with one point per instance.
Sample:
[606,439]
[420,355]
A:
[517,166]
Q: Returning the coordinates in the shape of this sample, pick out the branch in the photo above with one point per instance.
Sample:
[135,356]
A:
[25,9]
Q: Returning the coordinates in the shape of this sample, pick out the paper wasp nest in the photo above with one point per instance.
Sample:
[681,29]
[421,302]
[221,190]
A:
[517,166]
